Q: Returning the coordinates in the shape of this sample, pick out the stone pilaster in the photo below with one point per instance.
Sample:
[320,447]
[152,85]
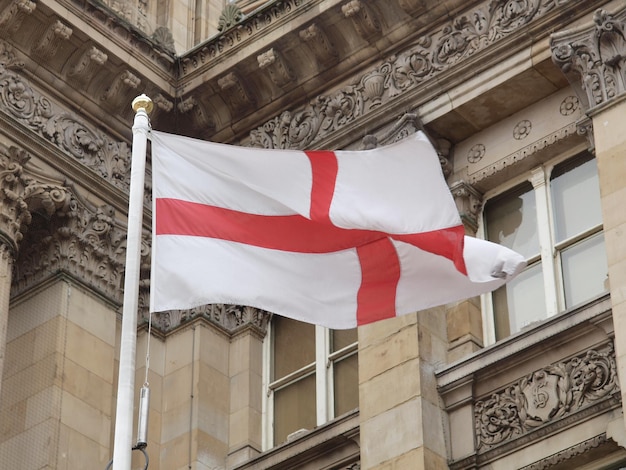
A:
[593,57]
[400,416]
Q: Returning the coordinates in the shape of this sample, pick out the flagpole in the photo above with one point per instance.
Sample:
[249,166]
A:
[122,449]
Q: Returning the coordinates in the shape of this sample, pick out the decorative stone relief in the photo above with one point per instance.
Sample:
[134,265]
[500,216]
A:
[231,15]
[85,242]
[468,202]
[430,56]
[87,64]
[229,318]
[111,160]
[48,44]
[569,105]
[13,15]
[236,93]
[272,61]
[119,91]
[593,58]
[522,129]
[476,153]
[14,213]
[317,40]
[363,17]
[244,30]
[546,395]
[190,105]
[163,37]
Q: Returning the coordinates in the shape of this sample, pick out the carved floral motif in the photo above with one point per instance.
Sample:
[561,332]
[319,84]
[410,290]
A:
[430,56]
[545,395]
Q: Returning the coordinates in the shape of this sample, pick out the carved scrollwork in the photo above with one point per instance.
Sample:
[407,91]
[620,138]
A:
[430,56]
[13,14]
[594,58]
[545,395]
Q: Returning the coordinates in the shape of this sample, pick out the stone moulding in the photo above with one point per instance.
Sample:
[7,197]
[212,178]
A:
[430,56]
[239,33]
[477,177]
[561,393]
[569,453]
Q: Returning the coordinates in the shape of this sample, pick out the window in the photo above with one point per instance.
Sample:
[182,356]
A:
[311,376]
[554,220]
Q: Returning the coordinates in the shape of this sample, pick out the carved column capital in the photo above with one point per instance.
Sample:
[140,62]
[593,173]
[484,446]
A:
[468,202]
[14,213]
[593,58]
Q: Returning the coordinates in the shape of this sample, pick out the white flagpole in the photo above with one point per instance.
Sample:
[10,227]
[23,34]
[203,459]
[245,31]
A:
[122,450]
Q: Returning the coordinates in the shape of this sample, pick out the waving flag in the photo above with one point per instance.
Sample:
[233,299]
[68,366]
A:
[339,238]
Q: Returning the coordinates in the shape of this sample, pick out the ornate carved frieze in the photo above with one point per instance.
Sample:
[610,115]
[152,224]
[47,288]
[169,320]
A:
[545,396]
[235,92]
[317,40]
[569,453]
[594,58]
[278,70]
[87,64]
[13,15]
[49,42]
[94,149]
[429,57]
[363,17]
[229,318]
[244,30]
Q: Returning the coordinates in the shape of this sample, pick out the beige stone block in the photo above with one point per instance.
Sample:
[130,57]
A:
[12,420]
[391,433]
[212,452]
[86,386]
[379,331]
[213,349]
[36,310]
[34,448]
[246,353]
[177,422]
[32,380]
[389,389]
[19,354]
[245,428]
[462,319]
[399,347]
[89,352]
[85,419]
[178,387]
[43,406]
[612,208]
[157,352]
[82,452]
[212,402]
[617,281]
[433,320]
[180,350]
[49,338]
[175,453]
[92,315]
[246,391]
[432,423]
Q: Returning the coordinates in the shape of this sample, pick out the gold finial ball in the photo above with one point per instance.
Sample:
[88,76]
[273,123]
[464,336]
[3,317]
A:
[143,101]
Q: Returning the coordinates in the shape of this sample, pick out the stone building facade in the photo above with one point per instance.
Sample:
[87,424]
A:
[525,101]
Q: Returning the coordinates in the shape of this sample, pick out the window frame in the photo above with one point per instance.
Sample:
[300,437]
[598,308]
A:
[539,176]
[323,368]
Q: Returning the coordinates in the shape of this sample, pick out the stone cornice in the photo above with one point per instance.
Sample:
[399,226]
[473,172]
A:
[593,57]
[432,56]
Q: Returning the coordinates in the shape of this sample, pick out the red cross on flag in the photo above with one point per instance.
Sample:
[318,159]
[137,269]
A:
[338,239]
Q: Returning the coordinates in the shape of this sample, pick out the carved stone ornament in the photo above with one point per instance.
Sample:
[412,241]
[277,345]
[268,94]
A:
[87,64]
[83,241]
[317,40]
[125,84]
[163,37]
[363,17]
[231,15]
[94,149]
[545,396]
[236,92]
[272,61]
[229,318]
[594,58]
[48,44]
[429,57]
[469,202]
[13,15]
[570,453]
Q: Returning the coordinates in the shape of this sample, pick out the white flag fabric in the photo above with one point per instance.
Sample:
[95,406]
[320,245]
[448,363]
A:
[338,239]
